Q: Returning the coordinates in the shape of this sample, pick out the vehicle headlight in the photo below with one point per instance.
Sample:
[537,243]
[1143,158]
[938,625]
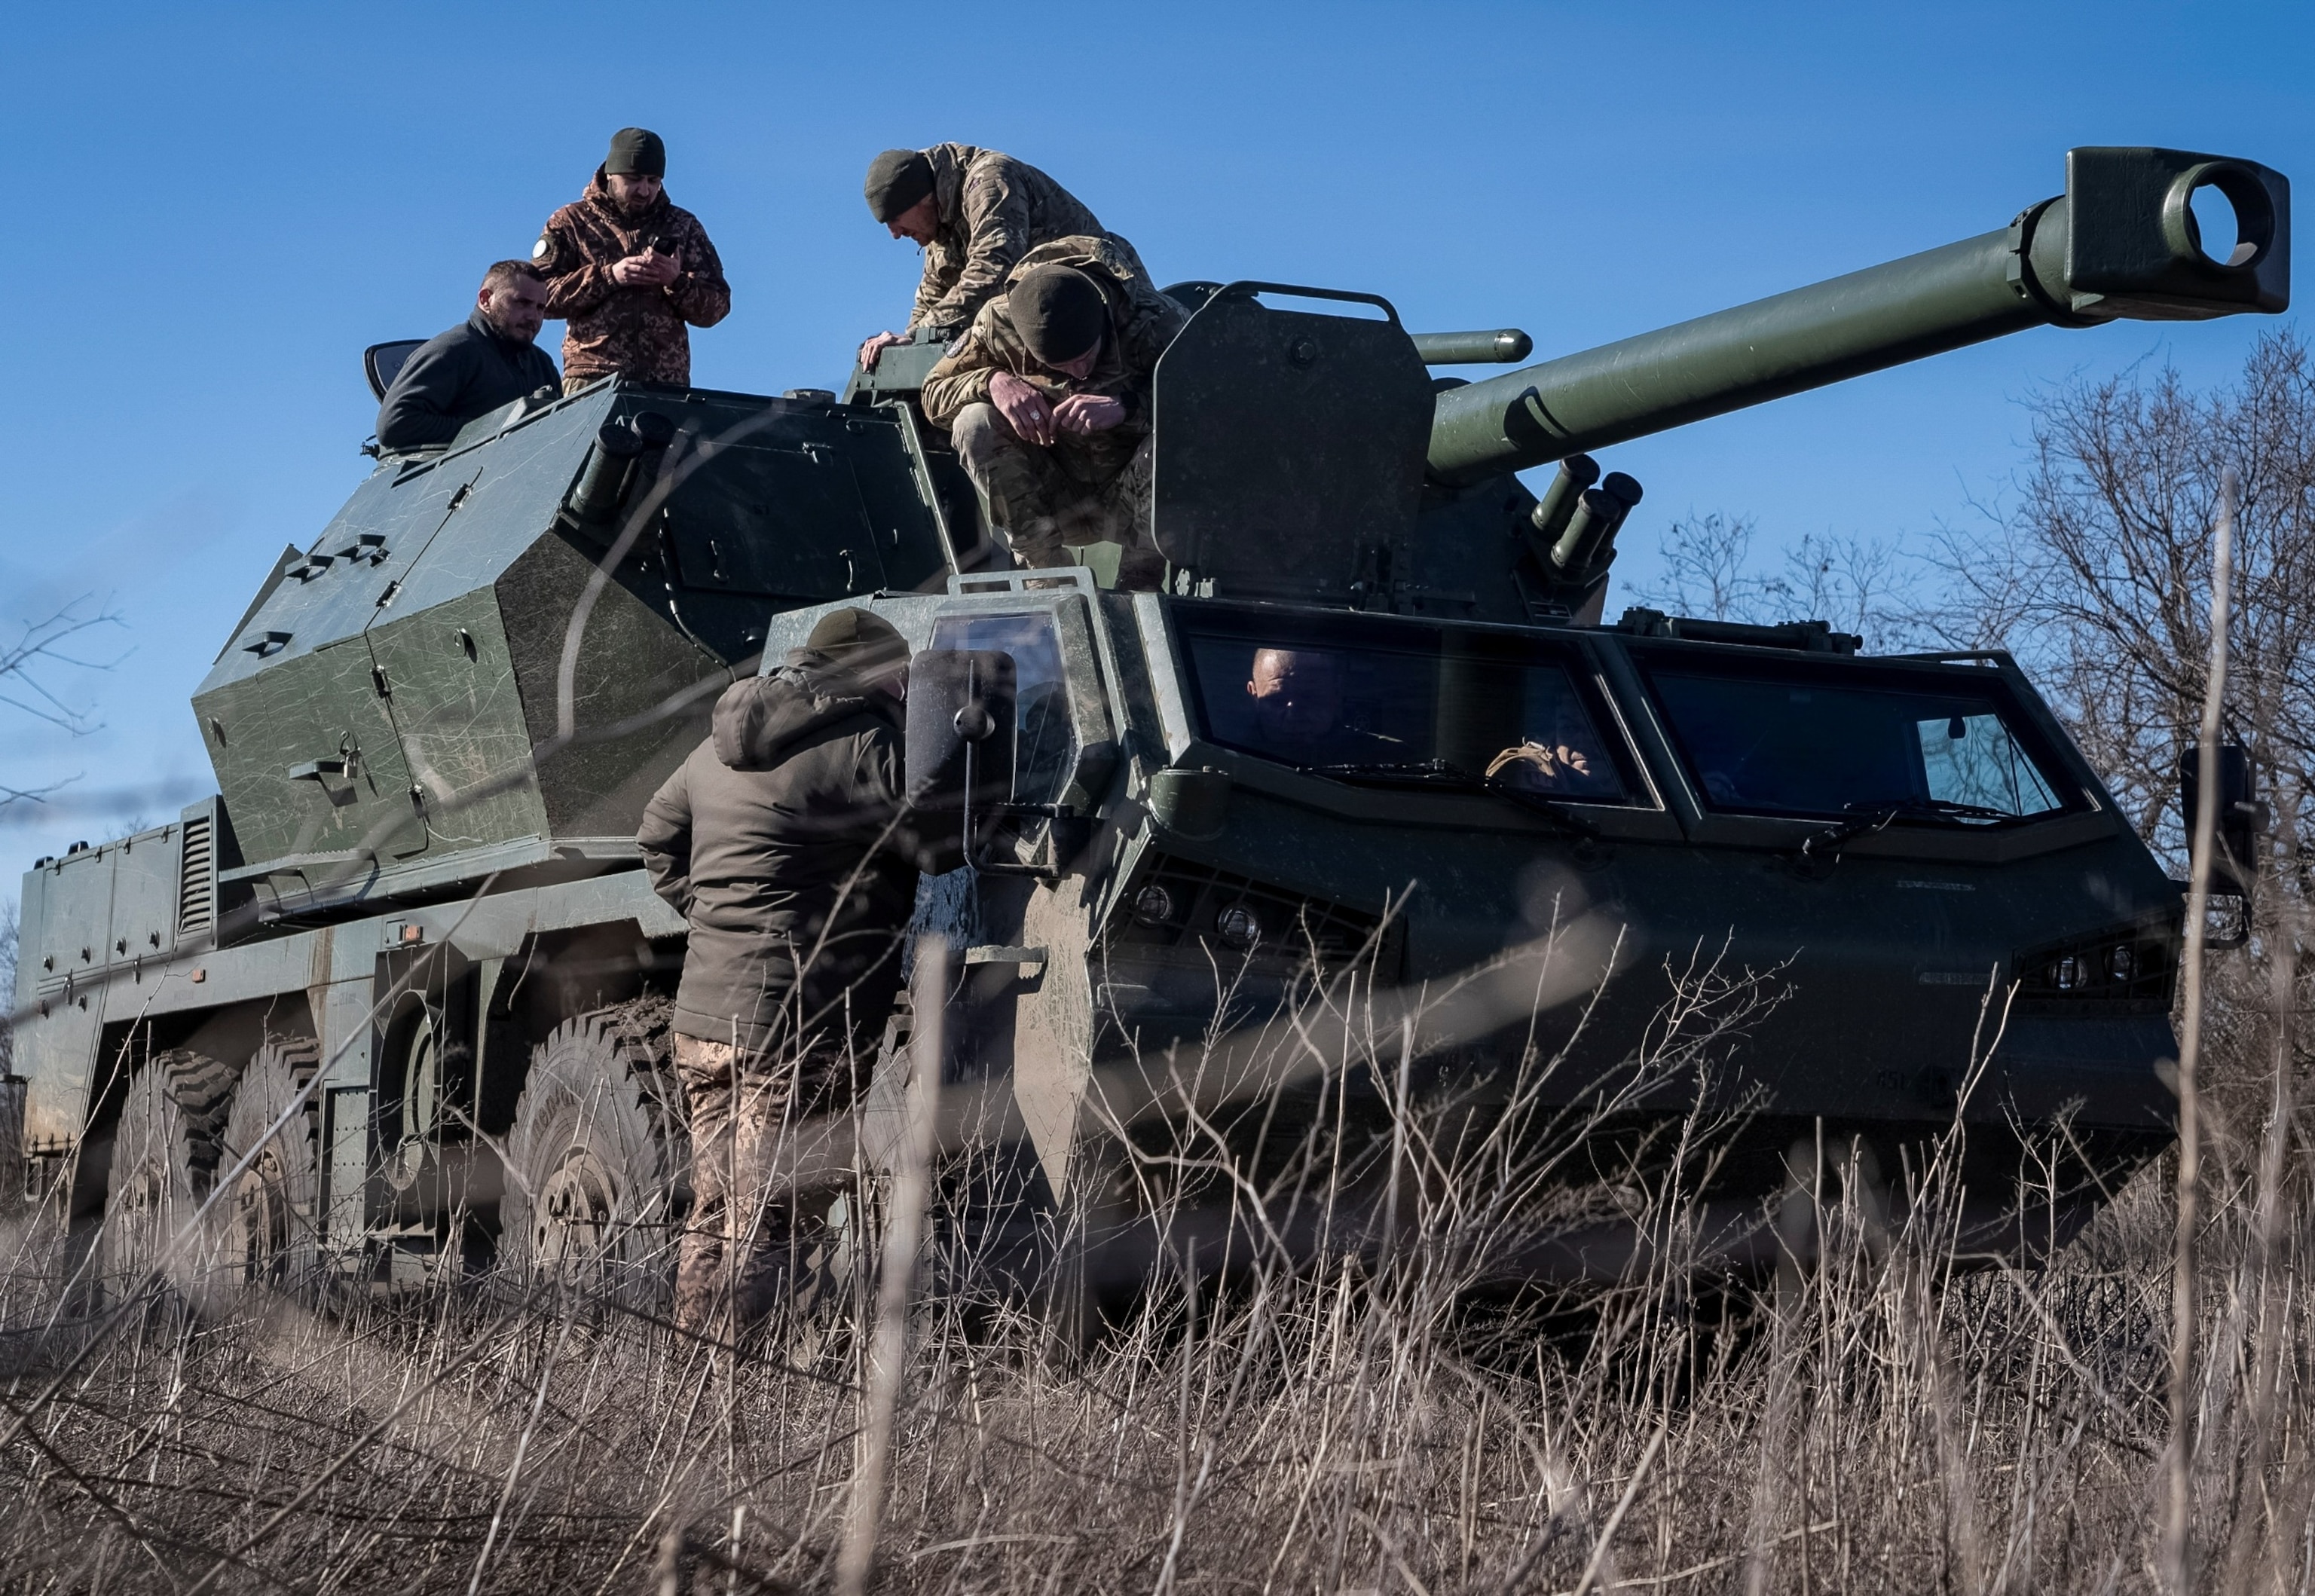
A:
[1153,905]
[1240,926]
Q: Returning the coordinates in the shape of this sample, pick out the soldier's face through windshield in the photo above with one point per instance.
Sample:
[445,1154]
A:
[634,190]
[1297,695]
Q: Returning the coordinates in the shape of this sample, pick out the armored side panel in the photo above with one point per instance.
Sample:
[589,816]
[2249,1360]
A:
[67,912]
[101,927]
[464,675]
[1289,447]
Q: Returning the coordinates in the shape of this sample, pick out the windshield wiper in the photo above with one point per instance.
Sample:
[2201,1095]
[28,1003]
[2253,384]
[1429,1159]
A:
[1446,772]
[1920,808]
[1866,818]
[1431,770]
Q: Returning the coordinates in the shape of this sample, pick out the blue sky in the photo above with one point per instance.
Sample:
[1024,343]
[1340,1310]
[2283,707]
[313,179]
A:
[222,207]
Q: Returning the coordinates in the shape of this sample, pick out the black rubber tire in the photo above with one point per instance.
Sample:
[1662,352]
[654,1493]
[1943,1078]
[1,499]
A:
[269,1226]
[164,1157]
[592,1159]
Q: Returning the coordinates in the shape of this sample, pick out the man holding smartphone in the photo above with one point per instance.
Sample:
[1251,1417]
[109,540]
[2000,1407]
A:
[629,272]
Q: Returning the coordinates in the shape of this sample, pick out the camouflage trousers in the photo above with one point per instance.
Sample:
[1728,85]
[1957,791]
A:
[737,1248]
[1041,498]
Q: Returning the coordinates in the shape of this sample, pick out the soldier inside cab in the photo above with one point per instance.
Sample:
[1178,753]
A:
[1047,400]
[630,271]
[976,213]
[489,359]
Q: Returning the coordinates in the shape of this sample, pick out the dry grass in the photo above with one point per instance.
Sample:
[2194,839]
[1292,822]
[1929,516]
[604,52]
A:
[1877,1422]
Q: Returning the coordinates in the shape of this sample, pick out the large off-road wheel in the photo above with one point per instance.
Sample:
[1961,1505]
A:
[591,1161]
[164,1155]
[269,1225]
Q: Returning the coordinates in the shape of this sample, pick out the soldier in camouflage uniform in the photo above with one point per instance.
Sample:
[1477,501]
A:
[976,212]
[627,269]
[1047,400]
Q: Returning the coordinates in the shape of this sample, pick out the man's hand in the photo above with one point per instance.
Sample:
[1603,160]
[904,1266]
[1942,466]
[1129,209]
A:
[649,270]
[1022,406]
[876,346]
[1550,762]
[1089,412]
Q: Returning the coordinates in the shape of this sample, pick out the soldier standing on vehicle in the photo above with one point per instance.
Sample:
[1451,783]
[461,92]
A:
[785,842]
[976,213]
[489,359]
[628,269]
[1047,400]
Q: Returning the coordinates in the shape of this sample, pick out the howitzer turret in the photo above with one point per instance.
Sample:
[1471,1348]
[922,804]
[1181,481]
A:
[1402,500]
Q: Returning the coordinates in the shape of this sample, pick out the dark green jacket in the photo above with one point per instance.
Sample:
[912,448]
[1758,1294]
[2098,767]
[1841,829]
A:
[454,377]
[785,842]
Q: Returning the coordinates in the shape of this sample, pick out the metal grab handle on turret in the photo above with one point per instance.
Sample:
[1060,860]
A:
[1247,288]
[2121,242]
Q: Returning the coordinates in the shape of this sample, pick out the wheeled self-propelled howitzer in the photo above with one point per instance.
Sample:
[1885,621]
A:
[1482,834]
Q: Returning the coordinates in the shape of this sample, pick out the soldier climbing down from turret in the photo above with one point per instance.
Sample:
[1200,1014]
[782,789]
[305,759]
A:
[627,269]
[1047,400]
[976,213]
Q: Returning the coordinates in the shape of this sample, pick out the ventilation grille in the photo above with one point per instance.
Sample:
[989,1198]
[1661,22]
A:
[197,878]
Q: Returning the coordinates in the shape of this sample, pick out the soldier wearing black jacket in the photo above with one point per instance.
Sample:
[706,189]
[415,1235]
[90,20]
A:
[786,842]
[473,369]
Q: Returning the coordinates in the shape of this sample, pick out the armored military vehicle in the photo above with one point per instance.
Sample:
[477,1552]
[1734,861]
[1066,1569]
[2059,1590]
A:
[1372,772]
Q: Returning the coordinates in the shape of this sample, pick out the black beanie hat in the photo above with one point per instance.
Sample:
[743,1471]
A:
[636,151]
[1058,313]
[897,179]
[858,639]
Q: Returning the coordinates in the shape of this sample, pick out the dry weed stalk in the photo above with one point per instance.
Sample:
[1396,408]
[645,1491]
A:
[1393,1417]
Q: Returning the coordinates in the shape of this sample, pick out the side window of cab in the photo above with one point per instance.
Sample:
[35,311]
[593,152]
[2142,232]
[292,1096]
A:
[1047,747]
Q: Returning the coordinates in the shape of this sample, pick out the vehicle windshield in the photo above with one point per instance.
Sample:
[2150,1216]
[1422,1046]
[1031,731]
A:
[1764,740]
[1047,749]
[1373,698]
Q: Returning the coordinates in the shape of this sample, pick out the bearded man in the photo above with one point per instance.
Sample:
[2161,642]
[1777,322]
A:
[629,270]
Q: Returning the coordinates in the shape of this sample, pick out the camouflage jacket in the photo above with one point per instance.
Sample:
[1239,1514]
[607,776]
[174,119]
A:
[1142,323]
[634,331]
[993,210]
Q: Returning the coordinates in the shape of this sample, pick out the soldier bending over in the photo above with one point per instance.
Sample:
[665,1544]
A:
[976,213]
[1047,400]
[784,840]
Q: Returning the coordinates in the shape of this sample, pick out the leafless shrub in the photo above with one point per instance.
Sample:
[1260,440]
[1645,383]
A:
[28,664]
[2099,576]
[1709,567]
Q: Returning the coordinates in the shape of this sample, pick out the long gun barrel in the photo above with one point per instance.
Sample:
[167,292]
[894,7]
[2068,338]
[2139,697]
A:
[2121,242]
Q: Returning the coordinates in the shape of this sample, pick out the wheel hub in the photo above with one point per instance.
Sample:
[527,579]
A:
[572,1225]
